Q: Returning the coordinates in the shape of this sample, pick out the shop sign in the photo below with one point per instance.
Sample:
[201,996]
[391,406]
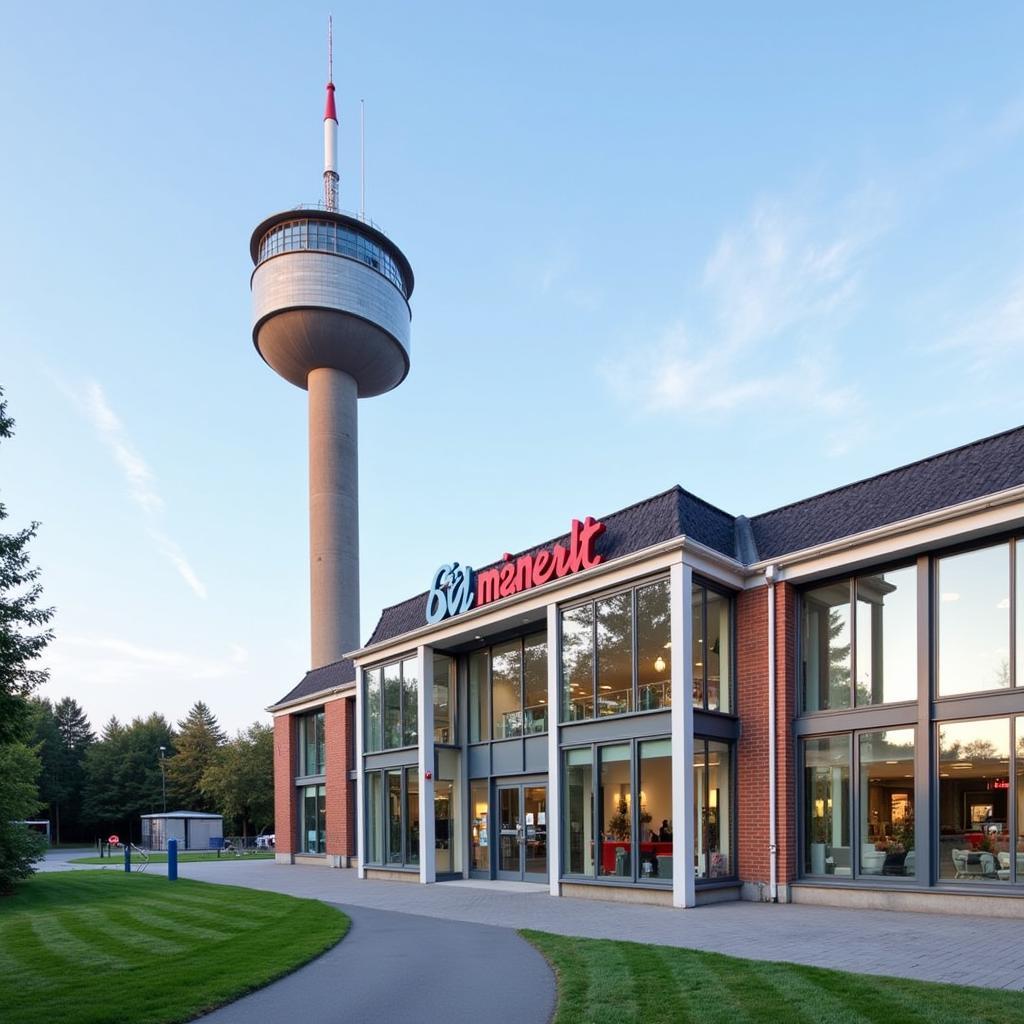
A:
[456,588]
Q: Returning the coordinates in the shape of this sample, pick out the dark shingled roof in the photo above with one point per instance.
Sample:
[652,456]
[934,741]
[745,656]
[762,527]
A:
[640,526]
[950,478]
[319,680]
[983,467]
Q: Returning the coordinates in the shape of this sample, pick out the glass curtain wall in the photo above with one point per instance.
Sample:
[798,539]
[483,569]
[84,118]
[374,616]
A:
[391,715]
[508,689]
[616,654]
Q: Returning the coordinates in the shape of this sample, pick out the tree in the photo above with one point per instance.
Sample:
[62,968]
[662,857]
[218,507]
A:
[23,637]
[45,740]
[199,736]
[76,737]
[240,782]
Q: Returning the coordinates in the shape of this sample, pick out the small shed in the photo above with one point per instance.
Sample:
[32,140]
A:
[192,829]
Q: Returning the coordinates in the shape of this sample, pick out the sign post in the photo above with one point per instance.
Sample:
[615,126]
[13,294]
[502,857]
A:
[172,859]
[128,858]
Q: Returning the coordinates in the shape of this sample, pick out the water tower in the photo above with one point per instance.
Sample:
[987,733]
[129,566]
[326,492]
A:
[330,295]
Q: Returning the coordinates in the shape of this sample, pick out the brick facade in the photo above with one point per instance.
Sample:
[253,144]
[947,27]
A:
[752,753]
[284,784]
[339,744]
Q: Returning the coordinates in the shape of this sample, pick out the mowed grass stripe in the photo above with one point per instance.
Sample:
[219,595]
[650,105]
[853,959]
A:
[601,981]
[95,947]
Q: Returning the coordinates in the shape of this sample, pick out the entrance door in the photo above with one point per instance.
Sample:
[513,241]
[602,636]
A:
[522,833]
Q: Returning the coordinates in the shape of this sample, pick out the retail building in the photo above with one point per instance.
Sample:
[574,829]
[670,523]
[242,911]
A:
[820,703]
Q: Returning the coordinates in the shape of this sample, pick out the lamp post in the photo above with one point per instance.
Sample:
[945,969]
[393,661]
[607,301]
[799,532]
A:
[163,777]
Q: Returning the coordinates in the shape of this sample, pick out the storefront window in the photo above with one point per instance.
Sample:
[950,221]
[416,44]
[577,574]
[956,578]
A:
[447,797]
[654,820]
[479,837]
[886,654]
[313,825]
[712,795]
[374,819]
[578,813]
[372,739]
[1020,626]
[615,654]
[479,708]
[311,744]
[827,806]
[412,816]
[653,647]
[974,790]
[444,704]
[506,689]
[712,662]
[410,707]
[826,647]
[394,798]
[578,663]
[973,612]
[535,683]
[887,802]
[392,706]
[1018,864]
[615,808]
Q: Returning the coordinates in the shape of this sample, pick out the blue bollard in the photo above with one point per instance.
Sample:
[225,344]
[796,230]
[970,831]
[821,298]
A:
[172,860]
[127,858]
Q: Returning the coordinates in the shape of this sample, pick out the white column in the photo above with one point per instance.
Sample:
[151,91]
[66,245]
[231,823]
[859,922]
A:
[360,784]
[681,583]
[554,759]
[425,705]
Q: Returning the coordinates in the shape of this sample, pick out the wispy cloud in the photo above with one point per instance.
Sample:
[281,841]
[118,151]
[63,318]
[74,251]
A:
[773,292]
[141,481]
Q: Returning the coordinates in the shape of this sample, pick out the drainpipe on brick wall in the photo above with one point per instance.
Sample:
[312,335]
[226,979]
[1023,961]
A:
[773,848]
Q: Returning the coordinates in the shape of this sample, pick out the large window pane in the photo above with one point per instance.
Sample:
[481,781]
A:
[394,799]
[712,782]
[579,812]
[1020,622]
[716,651]
[974,784]
[311,744]
[653,646]
[392,706]
[535,678]
[697,612]
[827,806]
[974,621]
[826,647]
[506,689]
[887,637]
[479,839]
[578,663]
[1018,864]
[374,819]
[372,724]
[615,654]
[887,802]
[615,806]
[655,817]
[412,816]
[479,698]
[444,706]
[410,707]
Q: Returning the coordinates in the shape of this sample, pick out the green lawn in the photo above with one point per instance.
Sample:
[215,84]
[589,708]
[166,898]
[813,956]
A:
[605,982]
[84,947]
[183,858]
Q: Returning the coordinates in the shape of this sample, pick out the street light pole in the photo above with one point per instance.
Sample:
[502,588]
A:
[163,777]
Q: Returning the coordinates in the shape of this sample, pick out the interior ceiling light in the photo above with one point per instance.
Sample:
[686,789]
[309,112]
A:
[659,664]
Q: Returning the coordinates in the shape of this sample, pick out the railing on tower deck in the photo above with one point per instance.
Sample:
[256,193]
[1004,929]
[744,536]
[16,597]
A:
[321,205]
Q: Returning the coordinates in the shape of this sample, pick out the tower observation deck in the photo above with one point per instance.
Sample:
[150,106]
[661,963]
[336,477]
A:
[330,298]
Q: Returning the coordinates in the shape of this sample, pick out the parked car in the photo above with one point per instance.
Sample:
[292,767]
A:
[265,842]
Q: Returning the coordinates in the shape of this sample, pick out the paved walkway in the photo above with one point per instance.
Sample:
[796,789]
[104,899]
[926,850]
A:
[930,947]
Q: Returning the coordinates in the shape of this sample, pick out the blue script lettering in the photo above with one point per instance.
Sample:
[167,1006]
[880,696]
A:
[451,592]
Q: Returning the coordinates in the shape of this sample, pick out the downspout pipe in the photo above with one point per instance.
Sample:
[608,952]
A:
[773,846]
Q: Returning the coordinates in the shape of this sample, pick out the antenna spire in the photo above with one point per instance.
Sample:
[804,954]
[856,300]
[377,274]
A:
[330,128]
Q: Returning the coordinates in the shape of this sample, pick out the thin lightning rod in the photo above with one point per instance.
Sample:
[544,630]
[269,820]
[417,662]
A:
[362,160]
[330,47]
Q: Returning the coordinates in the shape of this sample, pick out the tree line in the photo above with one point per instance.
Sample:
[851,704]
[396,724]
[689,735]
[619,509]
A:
[93,786]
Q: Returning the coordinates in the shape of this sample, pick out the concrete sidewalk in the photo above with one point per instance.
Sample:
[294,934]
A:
[929,947]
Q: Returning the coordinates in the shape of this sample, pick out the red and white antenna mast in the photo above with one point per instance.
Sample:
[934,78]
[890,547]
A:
[331,179]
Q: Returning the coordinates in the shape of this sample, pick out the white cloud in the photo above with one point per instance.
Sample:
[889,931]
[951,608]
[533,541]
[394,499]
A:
[139,477]
[774,289]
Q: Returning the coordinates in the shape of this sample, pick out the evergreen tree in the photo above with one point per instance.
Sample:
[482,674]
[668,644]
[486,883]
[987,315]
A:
[45,740]
[23,637]
[76,736]
[198,738]
[240,782]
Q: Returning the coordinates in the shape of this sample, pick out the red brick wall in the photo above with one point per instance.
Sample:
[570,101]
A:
[284,784]
[752,754]
[339,741]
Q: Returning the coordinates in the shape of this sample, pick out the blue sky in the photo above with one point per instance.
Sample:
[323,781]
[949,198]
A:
[759,253]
